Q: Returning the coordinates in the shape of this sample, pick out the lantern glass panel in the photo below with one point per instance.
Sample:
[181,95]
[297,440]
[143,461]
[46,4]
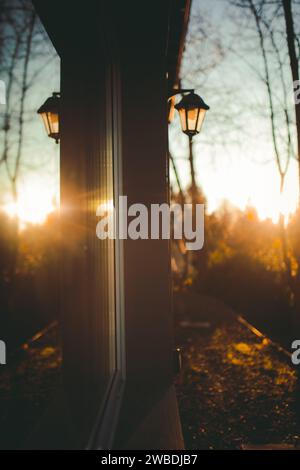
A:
[46,122]
[182,115]
[191,117]
[54,123]
[200,119]
[191,120]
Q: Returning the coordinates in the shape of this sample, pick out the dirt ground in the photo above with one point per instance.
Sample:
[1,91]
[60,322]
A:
[27,384]
[236,388]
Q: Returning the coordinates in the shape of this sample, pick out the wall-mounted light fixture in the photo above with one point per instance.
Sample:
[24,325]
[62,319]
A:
[49,112]
[192,110]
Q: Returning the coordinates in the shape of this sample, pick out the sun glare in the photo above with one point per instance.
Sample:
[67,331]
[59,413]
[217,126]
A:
[247,184]
[34,204]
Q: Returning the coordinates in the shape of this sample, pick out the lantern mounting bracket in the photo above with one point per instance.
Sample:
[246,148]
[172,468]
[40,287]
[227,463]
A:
[180,91]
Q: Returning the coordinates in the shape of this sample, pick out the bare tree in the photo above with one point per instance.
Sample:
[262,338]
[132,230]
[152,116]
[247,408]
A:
[282,164]
[13,173]
[294,64]
[266,16]
[196,65]
[292,40]
[178,182]
[23,59]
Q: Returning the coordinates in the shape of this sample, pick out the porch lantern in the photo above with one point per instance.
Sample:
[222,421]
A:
[50,115]
[192,110]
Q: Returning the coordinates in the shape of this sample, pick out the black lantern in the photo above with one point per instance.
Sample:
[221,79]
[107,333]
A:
[192,110]
[50,115]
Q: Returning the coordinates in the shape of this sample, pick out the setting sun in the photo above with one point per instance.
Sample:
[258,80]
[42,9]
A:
[35,203]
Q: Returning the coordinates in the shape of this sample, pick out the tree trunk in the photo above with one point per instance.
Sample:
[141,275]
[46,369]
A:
[193,176]
[294,63]
[181,195]
[14,177]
